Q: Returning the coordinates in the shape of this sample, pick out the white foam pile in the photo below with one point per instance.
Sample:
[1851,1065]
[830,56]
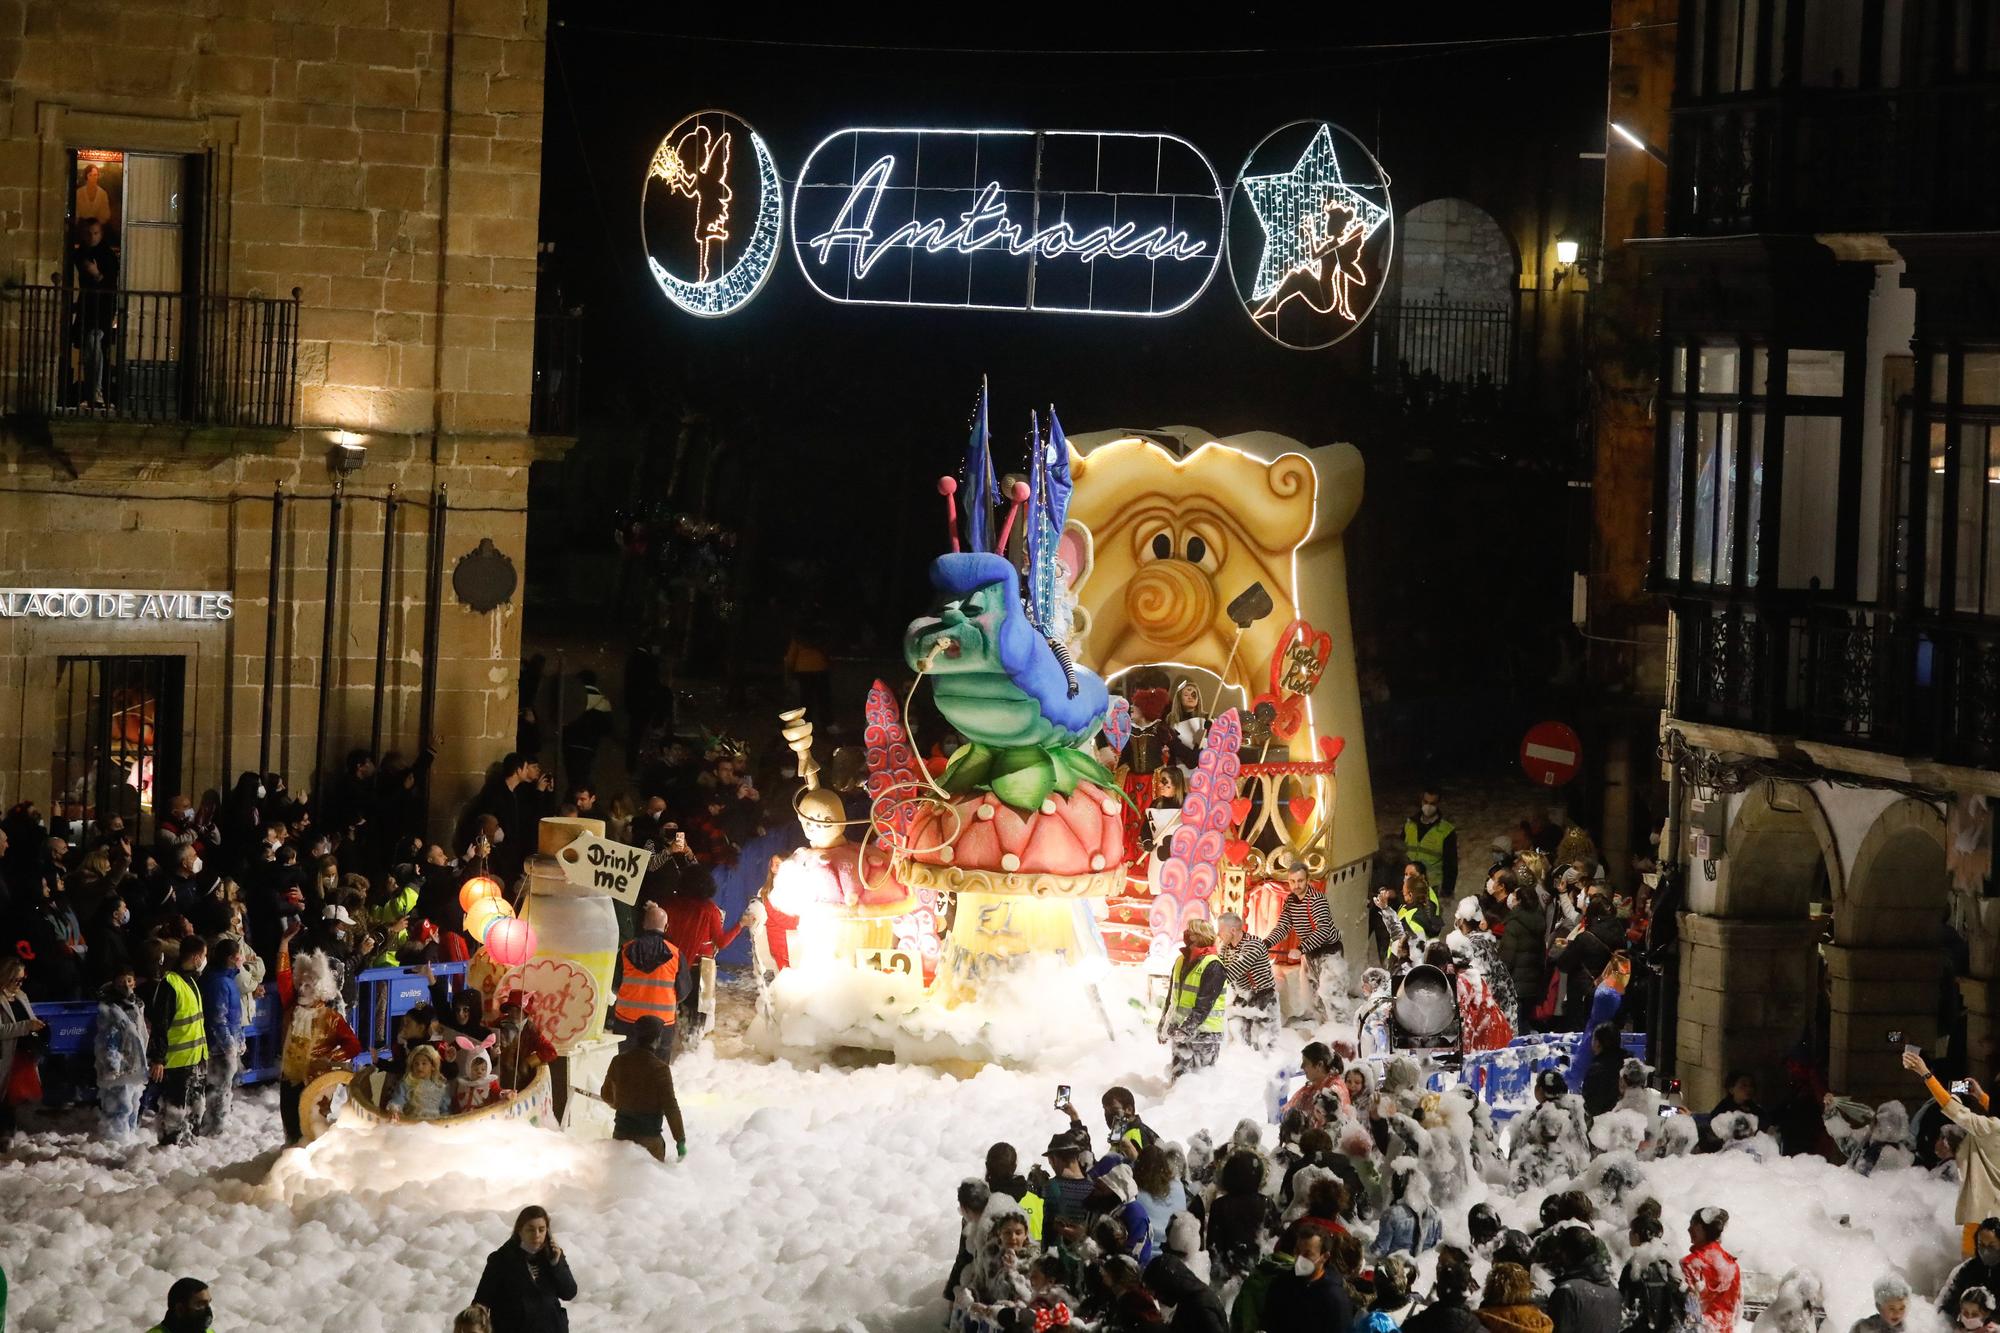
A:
[812,1198]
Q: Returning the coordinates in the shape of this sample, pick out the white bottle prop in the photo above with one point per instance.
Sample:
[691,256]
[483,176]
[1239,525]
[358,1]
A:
[573,924]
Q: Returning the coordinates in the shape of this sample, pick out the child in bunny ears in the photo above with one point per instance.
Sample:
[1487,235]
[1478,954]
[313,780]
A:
[423,1093]
[475,1085]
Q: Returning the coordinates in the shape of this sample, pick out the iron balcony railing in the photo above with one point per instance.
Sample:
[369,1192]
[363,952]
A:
[165,357]
[1824,160]
[1864,676]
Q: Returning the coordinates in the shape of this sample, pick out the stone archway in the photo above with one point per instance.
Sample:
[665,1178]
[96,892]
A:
[1453,294]
[1749,968]
[1885,963]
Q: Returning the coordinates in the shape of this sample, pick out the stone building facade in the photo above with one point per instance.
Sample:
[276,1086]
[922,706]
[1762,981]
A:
[315,337]
[1826,530]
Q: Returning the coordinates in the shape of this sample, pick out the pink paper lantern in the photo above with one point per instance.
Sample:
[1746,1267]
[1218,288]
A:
[510,941]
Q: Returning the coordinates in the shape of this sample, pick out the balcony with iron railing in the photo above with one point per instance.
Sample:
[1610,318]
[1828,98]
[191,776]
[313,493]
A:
[170,358]
[1833,160]
[1844,674]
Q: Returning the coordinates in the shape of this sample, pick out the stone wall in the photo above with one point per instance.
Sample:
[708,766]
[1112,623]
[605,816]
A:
[1454,247]
[389,170]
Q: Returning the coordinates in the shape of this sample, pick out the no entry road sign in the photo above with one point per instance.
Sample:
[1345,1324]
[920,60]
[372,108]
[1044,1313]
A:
[1550,753]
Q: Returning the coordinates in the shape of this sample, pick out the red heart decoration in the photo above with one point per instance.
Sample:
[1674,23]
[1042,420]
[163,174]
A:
[1302,809]
[1331,746]
[1240,808]
[1236,849]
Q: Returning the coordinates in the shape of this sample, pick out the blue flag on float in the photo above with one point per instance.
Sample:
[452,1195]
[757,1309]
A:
[1049,509]
[979,483]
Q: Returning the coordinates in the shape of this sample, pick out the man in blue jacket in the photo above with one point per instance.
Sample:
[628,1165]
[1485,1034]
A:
[222,1007]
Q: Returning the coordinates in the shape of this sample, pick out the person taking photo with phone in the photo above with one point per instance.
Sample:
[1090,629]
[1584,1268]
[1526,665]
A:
[1978,1155]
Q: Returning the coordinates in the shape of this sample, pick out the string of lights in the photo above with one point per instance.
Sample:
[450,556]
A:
[1442,44]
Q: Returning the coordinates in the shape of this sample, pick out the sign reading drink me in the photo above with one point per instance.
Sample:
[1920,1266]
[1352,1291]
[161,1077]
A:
[115,604]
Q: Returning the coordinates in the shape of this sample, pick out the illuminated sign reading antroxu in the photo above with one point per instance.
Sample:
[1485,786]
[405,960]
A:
[1071,221]
[123,604]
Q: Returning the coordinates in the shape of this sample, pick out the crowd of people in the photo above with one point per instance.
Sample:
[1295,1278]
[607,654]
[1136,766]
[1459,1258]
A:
[1323,1226]
[178,937]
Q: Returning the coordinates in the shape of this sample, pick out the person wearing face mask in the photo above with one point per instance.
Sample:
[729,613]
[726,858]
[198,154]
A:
[178,1044]
[1431,841]
[1975,1311]
[189,1308]
[1981,1269]
[527,1279]
[1192,1017]
[1312,1296]
[109,934]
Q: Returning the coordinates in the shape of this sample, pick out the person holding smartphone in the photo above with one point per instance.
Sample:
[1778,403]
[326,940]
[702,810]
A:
[1978,1155]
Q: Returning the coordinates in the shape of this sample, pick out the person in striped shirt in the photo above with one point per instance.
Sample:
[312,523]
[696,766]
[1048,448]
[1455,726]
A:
[1309,916]
[1253,987]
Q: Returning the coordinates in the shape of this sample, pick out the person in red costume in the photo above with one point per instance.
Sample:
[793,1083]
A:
[1711,1272]
[694,928]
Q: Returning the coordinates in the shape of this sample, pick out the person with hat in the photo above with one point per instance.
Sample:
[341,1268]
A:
[521,1049]
[639,1089]
[1192,1017]
[1065,1195]
[650,979]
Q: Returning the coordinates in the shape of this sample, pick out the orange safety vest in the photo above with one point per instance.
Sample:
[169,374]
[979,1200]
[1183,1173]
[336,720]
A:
[641,992]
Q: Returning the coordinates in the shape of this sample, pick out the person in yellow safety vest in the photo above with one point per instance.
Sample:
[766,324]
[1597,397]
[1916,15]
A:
[177,1050]
[1431,841]
[652,970]
[1193,1015]
[1419,913]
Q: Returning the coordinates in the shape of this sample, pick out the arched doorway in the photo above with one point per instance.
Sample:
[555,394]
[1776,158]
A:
[1886,963]
[1750,973]
[1453,304]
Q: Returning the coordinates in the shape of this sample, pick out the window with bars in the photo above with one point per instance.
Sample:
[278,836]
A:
[118,736]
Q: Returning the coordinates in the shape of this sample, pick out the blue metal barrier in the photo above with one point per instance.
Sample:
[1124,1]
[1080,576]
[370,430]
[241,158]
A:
[384,994]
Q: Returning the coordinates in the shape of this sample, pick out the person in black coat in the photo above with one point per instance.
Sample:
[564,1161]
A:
[1585,956]
[1196,1307]
[1451,1311]
[1310,1301]
[1584,1301]
[527,1279]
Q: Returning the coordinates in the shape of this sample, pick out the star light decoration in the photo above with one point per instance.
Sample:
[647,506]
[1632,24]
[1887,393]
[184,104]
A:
[1294,208]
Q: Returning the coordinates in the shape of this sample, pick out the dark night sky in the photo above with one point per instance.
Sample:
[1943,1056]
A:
[856,409]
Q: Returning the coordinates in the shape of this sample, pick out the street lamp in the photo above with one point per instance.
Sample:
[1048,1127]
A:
[1638,143]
